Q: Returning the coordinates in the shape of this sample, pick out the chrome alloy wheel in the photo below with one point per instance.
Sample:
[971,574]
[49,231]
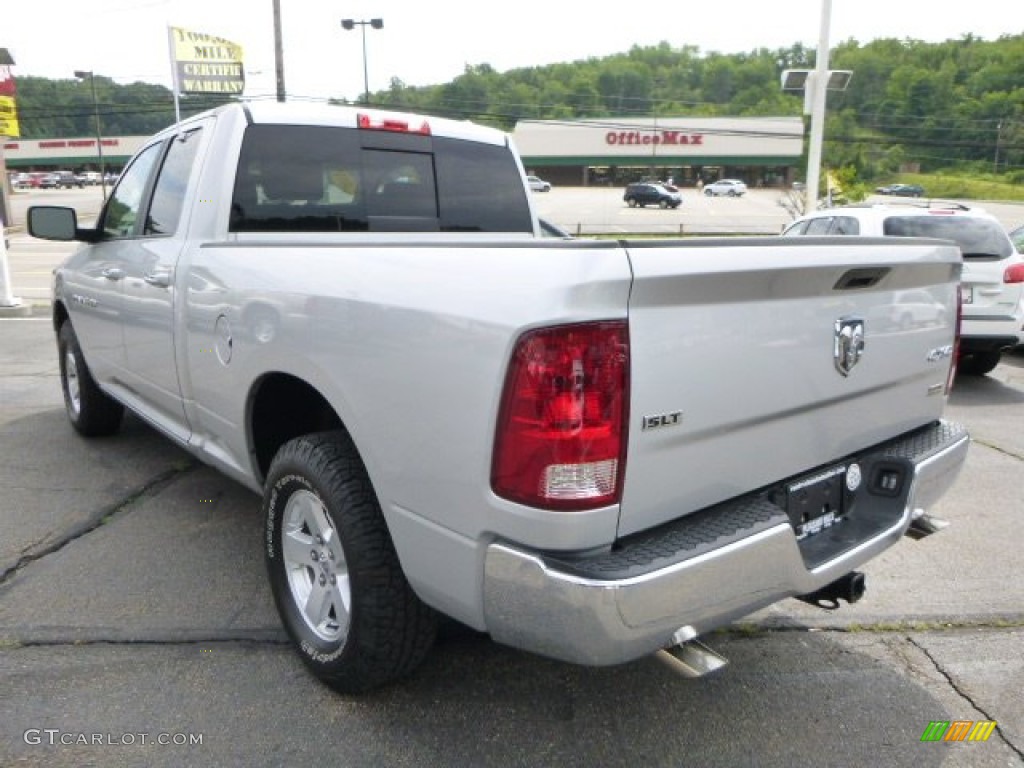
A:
[315,567]
[71,382]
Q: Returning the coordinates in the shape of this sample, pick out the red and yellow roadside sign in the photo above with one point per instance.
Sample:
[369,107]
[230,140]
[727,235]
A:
[8,109]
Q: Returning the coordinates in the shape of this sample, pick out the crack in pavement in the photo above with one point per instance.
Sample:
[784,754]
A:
[965,696]
[270,636]
[100,517]
[998,449]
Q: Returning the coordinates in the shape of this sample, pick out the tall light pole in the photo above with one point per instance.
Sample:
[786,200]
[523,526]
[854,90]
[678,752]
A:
[819,86]
[81,74]
[816,83]
[351,24]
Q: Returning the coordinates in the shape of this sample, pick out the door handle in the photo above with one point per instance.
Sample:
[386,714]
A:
[113,273]
[159,279]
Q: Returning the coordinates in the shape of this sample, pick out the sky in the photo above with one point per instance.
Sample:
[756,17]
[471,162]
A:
[424,43]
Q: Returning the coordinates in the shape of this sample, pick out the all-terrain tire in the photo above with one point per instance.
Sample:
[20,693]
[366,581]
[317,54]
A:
[333,569]
[91,412]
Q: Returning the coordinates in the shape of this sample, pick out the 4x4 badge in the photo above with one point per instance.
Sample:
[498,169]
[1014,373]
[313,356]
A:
[848,343]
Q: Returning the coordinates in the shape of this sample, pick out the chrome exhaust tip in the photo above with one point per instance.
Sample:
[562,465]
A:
[691,659]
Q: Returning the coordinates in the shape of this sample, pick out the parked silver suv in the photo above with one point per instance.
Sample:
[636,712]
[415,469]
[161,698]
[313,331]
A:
[993,275]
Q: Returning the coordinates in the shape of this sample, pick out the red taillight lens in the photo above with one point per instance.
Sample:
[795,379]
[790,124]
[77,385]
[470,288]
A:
[561,436]
[1014,274]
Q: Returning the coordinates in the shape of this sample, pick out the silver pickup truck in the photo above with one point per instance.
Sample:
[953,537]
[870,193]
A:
[592,450]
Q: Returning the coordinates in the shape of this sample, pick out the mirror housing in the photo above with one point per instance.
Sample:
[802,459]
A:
[55,222]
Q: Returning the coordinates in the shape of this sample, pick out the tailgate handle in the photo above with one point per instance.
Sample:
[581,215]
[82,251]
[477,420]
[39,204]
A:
[862,277]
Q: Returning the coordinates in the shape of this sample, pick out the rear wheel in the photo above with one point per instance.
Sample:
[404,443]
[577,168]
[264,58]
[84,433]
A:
[632,202]
[978,363]
[90,411]
[334,572]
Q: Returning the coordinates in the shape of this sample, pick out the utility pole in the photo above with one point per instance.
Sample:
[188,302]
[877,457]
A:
[81,74]
[278,51]
[999,137]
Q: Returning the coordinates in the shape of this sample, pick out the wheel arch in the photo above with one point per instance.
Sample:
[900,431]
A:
[60,315]
[282,407]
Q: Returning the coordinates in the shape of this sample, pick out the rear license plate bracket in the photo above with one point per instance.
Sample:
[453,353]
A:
[818,502]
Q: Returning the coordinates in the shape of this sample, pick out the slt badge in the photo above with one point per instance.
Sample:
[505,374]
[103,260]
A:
[848,343]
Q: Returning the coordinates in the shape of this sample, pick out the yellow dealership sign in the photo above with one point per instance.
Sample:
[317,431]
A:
[206,64]
[8,108]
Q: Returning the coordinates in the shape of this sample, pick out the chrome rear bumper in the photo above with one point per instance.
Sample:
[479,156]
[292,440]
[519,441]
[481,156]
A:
[535,602]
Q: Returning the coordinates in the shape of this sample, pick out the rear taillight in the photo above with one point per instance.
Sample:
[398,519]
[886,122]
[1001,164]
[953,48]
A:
[956,339]
[1014,274]
[561,434]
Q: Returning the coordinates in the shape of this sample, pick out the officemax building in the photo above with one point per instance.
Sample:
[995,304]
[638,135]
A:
[762,151]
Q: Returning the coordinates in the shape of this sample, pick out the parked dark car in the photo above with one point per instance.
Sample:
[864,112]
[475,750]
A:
[643,193]
[902,190]
[60,180]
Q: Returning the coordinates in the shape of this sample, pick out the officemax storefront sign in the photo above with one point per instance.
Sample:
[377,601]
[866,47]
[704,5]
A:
[723,141]
[641,138]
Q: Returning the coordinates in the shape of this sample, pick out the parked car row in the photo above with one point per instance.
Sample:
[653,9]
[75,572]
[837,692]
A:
[59,179]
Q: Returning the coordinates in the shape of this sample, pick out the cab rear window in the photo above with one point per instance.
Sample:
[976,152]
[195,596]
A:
[321,179]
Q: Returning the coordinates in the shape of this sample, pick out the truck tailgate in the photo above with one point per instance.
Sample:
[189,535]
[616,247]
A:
[747,364]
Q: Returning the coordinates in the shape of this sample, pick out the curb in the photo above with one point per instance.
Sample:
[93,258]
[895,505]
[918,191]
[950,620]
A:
[31,308]
[18,310]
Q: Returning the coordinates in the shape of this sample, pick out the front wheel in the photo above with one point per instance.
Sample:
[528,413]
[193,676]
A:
[663,204]
[333,569]
[91,412]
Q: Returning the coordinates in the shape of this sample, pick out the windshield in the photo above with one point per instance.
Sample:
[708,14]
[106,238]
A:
[977,238]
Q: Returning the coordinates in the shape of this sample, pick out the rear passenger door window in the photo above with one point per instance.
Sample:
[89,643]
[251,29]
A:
[169,193]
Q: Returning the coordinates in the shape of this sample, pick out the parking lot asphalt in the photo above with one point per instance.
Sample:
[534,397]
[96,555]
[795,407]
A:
[134,610]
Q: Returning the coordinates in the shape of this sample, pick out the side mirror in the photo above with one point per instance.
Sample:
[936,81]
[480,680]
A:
[51,222]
